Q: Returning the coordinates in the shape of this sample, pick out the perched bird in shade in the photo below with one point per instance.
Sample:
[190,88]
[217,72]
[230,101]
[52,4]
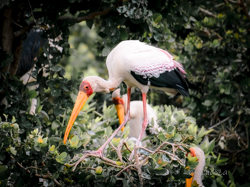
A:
[136,115]
[196,176]
[31,46]
[137,65]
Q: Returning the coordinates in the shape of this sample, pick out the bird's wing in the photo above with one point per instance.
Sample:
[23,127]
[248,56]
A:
[156,67]
[149,61]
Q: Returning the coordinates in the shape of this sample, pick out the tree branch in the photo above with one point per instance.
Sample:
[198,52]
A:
[77,20]
[86,18]
[244,9]
[37,175]
[242,4]
[24,30]
[207,12]
[7,37]
[224,120]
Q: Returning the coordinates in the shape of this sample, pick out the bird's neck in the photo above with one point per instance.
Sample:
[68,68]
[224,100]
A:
[102,85]
[113,83]
[199,171]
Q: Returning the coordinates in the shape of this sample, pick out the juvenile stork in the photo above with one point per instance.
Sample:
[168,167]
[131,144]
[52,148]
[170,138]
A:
[196,176]
[137,65]
[136,115]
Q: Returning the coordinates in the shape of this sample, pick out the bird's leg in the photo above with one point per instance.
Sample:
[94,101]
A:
[101,149]
[128,100]
[144,124]
[99,152]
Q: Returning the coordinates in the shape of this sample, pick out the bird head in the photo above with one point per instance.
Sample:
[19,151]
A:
[119,105]
[88,86]
[192,152]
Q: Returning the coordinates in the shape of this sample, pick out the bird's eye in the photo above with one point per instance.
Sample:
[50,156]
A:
[86,87]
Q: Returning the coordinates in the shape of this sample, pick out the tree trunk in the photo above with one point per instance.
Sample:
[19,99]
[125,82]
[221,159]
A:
[7,34]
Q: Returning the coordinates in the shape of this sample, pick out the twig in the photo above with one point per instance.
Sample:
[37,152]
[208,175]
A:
[118,149]
[237,123]
[91,155]
[126,145]
[124,169]
[138,166]
[112,165]
[220,38]
[17,24]
[37,175]
[207,12]
[24,30]
[242,4]
[217,124]
[32,12]
[233,2]
[244,9]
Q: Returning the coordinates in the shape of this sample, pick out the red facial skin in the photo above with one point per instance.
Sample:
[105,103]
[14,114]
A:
[117,101]
[86,88]
[192,152]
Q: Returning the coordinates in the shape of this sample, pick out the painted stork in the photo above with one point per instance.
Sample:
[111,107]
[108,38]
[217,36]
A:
[137,65]
[196,176]
[136,115]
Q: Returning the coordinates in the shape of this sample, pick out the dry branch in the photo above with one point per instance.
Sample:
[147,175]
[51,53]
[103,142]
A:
[207,12]
[48,176]
[139,160]
[88,17]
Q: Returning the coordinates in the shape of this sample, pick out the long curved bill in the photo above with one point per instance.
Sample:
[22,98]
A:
[80,101]
[120,110]
[189,181]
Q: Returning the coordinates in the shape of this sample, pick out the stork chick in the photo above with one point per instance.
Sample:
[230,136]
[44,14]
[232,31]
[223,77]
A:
[196,176]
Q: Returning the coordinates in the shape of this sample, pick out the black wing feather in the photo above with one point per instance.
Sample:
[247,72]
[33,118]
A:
[169,79]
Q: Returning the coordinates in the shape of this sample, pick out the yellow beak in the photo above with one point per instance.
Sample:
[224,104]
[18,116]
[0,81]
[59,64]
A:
[189,181]
[120,113]
[80,101]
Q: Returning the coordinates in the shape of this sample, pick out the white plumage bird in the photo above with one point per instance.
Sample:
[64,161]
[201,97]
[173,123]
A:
[137,65]
[136,115]
[196,176]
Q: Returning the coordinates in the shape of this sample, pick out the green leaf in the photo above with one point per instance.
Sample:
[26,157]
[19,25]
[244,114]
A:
[61,157]
[98,170]
[207,103]
[106,51]
[3,172]
[118,163]
[115,141]
[125,132]
[13,150]
[162,137]
[177,138]
[2,156]
[55,125]
[74,142]
[90,23]
[56,68]
[157,17]
[123,34]
[32,94]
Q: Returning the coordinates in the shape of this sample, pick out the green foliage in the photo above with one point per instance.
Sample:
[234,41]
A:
[167,164]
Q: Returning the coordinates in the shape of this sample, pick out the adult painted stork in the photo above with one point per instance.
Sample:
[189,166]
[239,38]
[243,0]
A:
[137,65]
[136,115]
[196,176]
